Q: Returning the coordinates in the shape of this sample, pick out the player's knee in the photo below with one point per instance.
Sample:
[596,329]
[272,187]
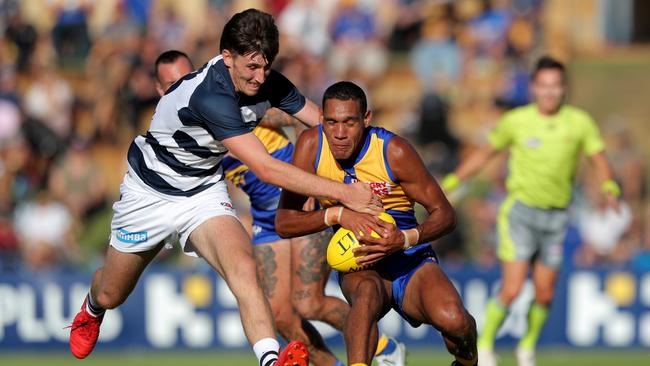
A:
[368,290]
[285,320]
[454,320]
[544,296]
[244,272]
[508,294]
[308,307]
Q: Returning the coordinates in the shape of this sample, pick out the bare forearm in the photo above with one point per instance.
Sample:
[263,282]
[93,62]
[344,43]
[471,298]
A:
[603,169]
[275,118]
[292,223]
[441,221]
[474,163]
[294,179]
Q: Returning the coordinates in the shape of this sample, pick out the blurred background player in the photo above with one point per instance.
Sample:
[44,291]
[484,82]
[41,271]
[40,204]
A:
[269,250]
[545,140]
[175,181]
[169,67]
[405,275]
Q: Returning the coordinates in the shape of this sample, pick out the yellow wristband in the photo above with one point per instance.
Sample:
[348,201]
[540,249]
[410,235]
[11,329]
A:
[450,182]
[610,186]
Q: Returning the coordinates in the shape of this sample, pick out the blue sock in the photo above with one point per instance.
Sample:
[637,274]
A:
[338,363]
[390,347]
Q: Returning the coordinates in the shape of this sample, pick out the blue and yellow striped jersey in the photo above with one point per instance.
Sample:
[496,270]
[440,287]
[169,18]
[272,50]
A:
[371,166]
[263,196]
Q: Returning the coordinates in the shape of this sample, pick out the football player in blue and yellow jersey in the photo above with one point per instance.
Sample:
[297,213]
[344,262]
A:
[403,271]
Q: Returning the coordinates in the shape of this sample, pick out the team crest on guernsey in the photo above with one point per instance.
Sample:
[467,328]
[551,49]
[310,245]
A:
[380,189]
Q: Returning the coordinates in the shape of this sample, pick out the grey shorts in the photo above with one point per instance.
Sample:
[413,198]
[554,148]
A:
[527,232]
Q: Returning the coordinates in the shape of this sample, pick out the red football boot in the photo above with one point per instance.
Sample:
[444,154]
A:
[84,332]
[295,354]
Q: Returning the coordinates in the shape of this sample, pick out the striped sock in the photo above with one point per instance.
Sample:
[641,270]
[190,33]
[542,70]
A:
[266,350]
[93,309]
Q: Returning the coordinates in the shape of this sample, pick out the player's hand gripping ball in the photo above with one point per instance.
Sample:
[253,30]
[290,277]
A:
[339,250]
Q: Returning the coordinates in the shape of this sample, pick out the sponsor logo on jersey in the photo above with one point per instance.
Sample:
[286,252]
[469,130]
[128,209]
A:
[533,142]
[227,205]
[381,189]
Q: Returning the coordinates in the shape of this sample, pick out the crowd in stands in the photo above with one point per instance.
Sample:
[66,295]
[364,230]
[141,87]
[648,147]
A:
[76,85]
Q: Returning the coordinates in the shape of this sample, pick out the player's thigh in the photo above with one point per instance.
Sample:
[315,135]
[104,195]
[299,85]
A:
[431,298]
[224,243]
[366,286]
[553,229]
[273,270]
[516,232]
[310,270]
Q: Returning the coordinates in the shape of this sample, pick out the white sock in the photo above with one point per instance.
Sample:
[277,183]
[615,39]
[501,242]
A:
[266,350]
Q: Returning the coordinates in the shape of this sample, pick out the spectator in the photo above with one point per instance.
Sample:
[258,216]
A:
[354,32]
[48,101]
[52,244]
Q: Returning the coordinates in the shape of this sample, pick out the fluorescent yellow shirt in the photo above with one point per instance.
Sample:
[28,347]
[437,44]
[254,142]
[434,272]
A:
[544,151]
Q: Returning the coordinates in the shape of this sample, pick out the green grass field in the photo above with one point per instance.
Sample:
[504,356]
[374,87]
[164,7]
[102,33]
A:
[415,358]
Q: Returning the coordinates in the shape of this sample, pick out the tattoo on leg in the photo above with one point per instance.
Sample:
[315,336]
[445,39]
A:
[313,265]
[266,267]
[302,294]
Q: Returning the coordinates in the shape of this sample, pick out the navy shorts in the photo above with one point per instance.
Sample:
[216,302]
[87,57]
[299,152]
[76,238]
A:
[399,268]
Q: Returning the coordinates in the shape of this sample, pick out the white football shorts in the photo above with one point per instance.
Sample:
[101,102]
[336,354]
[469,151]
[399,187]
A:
[144,218]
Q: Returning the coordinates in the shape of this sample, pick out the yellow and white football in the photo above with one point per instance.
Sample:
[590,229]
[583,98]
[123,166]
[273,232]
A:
[339,250]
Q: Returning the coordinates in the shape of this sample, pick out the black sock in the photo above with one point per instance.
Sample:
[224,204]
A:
[92,308]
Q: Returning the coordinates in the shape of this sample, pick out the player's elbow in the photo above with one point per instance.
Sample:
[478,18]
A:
[448,218]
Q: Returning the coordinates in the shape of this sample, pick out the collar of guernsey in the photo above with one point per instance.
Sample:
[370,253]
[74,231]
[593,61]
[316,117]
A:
[371,166]
[544,152]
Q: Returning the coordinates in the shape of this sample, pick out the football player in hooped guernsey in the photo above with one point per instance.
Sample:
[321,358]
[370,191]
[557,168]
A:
[402,271]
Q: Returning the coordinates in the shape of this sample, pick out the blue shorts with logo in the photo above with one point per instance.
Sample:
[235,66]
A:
[264,197]
[399,268]
[264,220]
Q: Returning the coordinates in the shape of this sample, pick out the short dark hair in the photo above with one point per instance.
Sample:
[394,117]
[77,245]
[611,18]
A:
[548,62]
[347,90]
[169,57]
[251,31]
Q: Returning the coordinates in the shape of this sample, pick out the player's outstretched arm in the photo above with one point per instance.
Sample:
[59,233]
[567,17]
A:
[249,149]
[420,186]
[308,116]
[468,167]
[609,187]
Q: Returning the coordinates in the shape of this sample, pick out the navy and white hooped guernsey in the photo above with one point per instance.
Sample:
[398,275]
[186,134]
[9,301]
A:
[181,153]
